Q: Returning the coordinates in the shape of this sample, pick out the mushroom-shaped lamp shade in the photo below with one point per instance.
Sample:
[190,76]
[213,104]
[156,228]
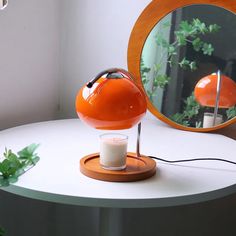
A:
[112,102]
[205,91]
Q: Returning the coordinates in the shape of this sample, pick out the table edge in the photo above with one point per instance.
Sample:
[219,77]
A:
[122,203]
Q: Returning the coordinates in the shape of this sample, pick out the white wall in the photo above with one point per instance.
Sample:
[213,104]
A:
[29,52]
[94,37]
[60,43]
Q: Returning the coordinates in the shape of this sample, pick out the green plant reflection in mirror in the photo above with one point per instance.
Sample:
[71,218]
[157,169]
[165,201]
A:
[182,48]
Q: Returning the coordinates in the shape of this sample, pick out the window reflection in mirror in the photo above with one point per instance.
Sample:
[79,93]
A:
[185,46]
[3,4]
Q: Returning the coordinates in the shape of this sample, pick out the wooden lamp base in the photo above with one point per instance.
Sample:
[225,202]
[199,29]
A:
[136,168]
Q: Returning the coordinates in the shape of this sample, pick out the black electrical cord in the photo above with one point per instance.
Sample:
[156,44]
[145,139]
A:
[194,159]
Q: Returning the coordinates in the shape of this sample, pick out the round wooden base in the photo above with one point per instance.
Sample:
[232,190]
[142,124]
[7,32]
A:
[136,168]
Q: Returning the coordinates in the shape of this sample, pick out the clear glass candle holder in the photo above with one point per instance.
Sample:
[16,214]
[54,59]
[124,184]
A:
[208,120]
[113,151]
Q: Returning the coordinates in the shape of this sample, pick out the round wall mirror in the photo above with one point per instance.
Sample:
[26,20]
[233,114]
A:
[3,4]
[183,54]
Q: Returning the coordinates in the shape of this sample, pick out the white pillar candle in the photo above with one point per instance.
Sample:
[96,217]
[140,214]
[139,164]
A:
[113,151]
[208,120]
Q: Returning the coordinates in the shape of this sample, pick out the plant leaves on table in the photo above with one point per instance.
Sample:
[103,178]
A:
[14,165]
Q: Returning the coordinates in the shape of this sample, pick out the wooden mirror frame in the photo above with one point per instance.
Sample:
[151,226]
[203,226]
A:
[151,15]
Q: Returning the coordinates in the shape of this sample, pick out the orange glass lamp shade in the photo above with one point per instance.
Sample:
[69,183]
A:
[112,102]
[205,91]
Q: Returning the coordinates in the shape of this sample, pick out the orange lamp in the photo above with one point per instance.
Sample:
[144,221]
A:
[205,91]
[112,102]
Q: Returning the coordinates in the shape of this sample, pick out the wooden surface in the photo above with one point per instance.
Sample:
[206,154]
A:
[151,15]
[136,169]
[229,131]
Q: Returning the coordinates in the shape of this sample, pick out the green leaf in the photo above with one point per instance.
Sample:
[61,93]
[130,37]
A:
[197,44]
[180,38]
[4,167]
[231,112]
[193,65]
[184,63]
[13,166]
[191,110]
[171,62]
[13,179]
[178,117]
[144,80]
[28,151]
[161,41]
[171,50]
[185,123]
[192,107]
[144,69]
[19,172]
[207,49]
[190,113]
[4,182]
[160,81]
[35,159]
[200,26]
[198,124]
[185,27]
[214,28]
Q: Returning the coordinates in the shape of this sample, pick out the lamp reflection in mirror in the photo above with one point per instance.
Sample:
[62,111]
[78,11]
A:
[178,106]
[217,91]
[112,101]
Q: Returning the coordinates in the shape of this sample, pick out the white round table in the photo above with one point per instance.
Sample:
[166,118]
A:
[56,177]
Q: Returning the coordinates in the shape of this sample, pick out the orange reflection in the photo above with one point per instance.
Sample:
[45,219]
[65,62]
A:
[206,90]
